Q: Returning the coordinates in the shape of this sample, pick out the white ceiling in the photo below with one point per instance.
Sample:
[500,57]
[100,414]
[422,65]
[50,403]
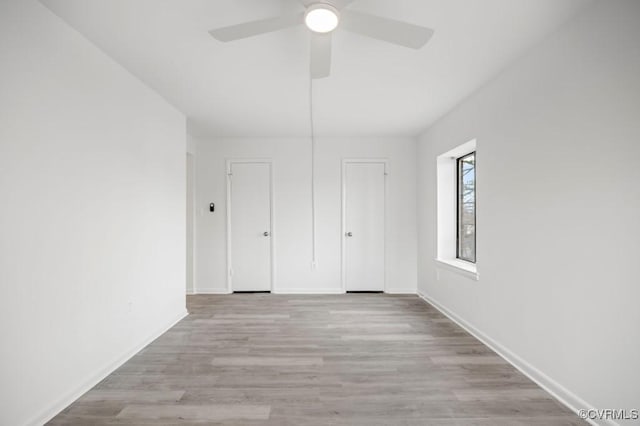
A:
[260,86]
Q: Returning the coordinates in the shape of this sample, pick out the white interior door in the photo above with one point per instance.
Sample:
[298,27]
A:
[250,226]
[364,212]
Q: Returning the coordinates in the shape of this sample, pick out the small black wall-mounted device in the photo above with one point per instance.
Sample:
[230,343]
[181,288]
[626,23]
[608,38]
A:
[212,207]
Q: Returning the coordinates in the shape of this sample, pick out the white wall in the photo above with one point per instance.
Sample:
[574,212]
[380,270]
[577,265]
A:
[92,228]
[558,143]
[291,162]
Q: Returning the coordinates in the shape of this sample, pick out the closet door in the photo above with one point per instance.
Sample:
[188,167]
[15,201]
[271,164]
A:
[364,216]
[250,226]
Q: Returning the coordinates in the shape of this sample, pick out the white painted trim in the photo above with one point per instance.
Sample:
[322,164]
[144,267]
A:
[227,171]
[54,409]
[460,150]
[572,401]
[460,267]
[309,291]
[446,199]
[343,229]
[194,207]
[343,256]
[212,291]
[272,236]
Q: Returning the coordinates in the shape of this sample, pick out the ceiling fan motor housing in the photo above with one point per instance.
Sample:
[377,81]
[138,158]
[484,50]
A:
[322,17]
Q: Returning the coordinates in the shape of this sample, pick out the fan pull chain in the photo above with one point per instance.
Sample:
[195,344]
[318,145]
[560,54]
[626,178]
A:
[314,260]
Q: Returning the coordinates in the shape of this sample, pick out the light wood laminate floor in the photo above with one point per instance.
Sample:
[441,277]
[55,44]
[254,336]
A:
[354,359]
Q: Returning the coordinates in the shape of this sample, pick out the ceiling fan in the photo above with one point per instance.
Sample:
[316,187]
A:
[322,17]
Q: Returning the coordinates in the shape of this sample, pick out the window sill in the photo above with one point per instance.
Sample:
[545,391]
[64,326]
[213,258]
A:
[458,266]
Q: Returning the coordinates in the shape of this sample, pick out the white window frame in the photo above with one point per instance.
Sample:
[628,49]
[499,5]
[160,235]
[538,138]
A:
[447,212]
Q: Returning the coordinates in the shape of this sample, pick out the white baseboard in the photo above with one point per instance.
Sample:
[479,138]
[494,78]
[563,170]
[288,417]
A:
[559,392]
[278,291]
[210,291]
[295,291]
[307,291]
[334,291]
[47,414]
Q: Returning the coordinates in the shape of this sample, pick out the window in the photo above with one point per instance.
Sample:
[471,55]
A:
[456,210]
[466,214]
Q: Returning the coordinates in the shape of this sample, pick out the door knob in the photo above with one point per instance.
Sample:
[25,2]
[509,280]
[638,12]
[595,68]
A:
[266,233]
[349,234]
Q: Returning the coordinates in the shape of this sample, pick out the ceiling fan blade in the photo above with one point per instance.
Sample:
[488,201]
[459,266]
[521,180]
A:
[253,28]
[341,4]
[320,55]
[385,29]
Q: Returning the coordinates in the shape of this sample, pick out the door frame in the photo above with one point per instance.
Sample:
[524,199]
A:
[191,223]
[229,164]
[343,238]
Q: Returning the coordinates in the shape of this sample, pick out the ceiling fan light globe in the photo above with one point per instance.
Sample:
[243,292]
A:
[321,18]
